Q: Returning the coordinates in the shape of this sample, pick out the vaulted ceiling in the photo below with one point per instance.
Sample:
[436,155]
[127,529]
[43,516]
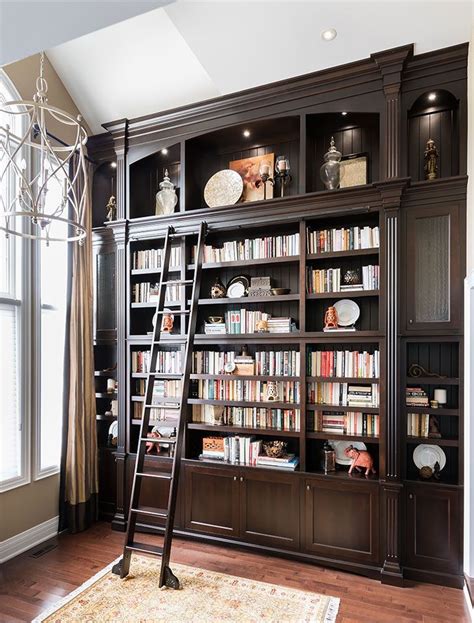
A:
[189,50]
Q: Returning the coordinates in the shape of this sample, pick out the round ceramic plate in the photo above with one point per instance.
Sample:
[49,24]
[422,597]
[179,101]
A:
[426,455]
[113,429]
[223,188]
[340,446]
[237,287]
[348,312]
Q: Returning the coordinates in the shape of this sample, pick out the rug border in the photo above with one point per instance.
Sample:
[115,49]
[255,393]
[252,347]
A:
[330,616]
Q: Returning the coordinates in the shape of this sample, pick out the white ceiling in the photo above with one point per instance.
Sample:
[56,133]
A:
[190,50]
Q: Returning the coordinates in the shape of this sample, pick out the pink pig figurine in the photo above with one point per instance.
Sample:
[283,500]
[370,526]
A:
[361,459]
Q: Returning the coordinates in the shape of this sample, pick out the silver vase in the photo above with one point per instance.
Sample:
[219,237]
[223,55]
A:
[331,170]
[166,198]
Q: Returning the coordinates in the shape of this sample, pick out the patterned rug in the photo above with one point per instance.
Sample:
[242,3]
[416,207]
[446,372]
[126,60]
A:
[206,596]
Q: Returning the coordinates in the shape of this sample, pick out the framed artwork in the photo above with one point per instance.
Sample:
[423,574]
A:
[353,170]
[248,169]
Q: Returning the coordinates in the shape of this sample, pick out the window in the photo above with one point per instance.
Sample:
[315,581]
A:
[14,403]
[32,330]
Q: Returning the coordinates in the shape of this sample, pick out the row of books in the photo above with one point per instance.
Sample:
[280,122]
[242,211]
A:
[418,424]
[152,258]
[329,280]
[252,391]
[268,363]
[145,292]
[344,239]
[161,388]
[167,362]
[252,417]
[343,394]
[252,249]
[416,397]
[340,363]
[245,321]
[240,450]
[352,423]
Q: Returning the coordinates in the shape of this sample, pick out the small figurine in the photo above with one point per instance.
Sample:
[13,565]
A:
[434,428]
[431,160]
[111,208]
[261,326]
[150,445]
[330,318]
[167,323]
[218,290]
[272,391]
[437,471]
[361,460]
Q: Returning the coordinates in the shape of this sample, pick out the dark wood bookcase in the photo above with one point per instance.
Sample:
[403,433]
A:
[391,525]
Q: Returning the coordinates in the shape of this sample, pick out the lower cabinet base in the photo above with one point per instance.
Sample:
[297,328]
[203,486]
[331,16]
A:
[434,577]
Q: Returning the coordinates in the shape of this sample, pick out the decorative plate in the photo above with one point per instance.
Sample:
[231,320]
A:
[340,446]
[113,429]
[348,312]
[229,367]
[238,287]
[223,188]
[426,455]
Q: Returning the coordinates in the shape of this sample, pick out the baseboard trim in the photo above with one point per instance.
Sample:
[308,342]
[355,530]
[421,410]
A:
[20,543]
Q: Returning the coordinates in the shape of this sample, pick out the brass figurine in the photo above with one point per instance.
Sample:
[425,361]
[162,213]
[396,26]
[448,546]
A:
[111,208]
[431,160]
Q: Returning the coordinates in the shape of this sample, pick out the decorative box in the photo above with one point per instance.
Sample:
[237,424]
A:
[260,286]
[213,444]
[244,369]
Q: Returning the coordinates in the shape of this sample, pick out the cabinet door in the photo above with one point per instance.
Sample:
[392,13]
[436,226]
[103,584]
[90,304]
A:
[434,272]
[269,508]
[342,520]
[105,316]
[433,528]
[212,500]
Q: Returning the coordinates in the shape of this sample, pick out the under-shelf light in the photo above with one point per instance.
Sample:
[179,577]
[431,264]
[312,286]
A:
[246,133]
[432,97]
[164,151]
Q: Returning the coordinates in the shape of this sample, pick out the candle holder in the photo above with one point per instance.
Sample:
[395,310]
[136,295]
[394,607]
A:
[282,168]
[265,177]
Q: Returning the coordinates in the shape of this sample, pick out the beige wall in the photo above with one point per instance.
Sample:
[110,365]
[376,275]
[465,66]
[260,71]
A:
[27,506]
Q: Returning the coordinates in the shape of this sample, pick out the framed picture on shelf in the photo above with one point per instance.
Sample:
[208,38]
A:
[249,171]
[354,169]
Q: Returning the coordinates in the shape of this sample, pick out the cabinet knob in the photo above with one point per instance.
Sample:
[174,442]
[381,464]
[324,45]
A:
[241,479]
[235,477]
[411,496]
[411,321]
[308,488]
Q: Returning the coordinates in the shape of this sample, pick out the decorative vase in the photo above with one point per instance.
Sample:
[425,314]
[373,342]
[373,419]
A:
[351,277]
[166,198]
[218,290]
[331,170]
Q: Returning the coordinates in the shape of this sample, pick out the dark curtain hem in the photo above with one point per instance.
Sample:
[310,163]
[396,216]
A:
[79,517]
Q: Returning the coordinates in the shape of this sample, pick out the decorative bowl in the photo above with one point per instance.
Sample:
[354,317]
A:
[216,319]
[275,449]
[280,291]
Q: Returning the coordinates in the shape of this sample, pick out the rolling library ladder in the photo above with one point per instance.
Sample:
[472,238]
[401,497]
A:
[167,578]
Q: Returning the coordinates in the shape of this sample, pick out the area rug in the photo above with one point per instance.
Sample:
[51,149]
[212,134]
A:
[206,596]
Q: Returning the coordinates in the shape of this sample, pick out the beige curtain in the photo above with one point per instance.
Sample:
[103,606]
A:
[79,476]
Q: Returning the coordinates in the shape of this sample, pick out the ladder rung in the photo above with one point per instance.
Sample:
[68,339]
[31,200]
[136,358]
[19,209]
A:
[162,440]
[174,311]
[163,375]
[147,511]
[146,548]
[178,282]
[170,342]
[164,405]
[150,475]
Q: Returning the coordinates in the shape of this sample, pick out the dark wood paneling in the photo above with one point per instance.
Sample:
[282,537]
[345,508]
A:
[269,509]
[342,520]
[433,528]
[212,499]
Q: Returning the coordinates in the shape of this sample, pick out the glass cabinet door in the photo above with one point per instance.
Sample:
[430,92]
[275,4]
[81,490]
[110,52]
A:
[433,273]
[105,316]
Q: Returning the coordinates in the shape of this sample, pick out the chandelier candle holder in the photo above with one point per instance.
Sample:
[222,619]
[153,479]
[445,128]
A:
[49,175]
[282,173]
[265,173]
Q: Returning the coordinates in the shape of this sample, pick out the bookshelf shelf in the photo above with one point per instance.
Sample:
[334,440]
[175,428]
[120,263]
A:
[111,396]
[430,380]
[248,300]
[317,407]
[352,294]
[272,432]
[152,305]
[310,257]
[341,379]
[322,435]
[453,412]
[245,403]
[242,377]
[100,417]
[454,443]
[245,466]
[153,271]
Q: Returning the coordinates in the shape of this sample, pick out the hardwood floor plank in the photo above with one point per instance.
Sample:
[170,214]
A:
[29,585]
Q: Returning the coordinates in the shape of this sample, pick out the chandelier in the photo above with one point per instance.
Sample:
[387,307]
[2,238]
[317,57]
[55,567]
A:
[43,179]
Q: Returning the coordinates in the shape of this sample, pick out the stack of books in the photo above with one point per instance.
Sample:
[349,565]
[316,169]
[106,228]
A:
[418,424]
[215,328]
[279,325]
[343,394]
[289,461]
[331,423]
[363,396]
[243,321]
[344,239]
[371,277]
[416,397]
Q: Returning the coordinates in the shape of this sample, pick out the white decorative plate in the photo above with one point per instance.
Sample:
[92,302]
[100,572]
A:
[348,312]
[113,429]
[340,446]
[223,188]
[426,455]
[236,290]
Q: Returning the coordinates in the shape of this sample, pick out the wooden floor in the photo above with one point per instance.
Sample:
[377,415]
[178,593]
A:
[28,585]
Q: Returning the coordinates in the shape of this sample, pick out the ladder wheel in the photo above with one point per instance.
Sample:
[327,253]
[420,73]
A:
[171,581]
[117,568]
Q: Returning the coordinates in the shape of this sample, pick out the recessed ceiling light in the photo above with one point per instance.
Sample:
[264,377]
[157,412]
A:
[343,113]
[329,34]
[113,165]
[432,97]
[246,133]
[164,151]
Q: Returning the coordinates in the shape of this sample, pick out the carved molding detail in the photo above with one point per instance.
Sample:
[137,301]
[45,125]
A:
[391,511]
[391,280]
